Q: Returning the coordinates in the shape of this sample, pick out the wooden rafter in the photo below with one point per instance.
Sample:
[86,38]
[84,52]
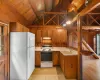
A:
[50,19]
[55,12]
[94,20]
[87,9]
[94,13]
[91,28]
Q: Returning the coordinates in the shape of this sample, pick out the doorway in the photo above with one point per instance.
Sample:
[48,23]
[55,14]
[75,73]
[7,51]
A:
[4,50]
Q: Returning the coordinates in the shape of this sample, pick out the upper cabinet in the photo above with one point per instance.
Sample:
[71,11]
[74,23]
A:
[44,33]
[38,36]
[17,27]
[58,36]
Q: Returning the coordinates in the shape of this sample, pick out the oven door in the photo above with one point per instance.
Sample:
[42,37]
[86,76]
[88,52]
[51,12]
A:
[46,56]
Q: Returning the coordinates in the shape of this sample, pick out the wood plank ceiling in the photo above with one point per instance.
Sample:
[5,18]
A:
[29,11]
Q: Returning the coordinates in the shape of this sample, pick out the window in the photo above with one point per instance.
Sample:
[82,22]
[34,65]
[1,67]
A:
[98,44]
[1,40]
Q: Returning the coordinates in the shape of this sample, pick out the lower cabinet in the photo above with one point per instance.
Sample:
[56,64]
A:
[68,63]
[62,61]
[55,58]
[37,58]
[70,67]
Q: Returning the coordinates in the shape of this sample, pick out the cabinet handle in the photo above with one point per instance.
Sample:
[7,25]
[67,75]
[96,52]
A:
[71,65]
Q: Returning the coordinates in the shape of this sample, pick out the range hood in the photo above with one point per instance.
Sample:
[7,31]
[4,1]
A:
[46,40]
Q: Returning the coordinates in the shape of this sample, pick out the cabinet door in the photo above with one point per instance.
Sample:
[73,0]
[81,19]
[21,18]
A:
[37,58]
[44,33]
[50,33]
[62,61]
[31,61]
[55,58]
[71,67]
[38,36]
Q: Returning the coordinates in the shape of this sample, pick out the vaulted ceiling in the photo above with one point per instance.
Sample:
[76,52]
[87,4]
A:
[29,11]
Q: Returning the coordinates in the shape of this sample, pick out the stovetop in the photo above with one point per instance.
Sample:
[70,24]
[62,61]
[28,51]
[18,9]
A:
[46,49]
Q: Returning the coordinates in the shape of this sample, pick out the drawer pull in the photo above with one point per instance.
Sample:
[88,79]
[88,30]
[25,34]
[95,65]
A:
[71,65]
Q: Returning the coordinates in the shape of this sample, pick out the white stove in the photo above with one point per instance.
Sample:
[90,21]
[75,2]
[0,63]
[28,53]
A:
[46,56]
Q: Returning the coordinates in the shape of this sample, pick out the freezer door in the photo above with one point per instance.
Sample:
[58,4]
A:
[31,39]
[31,60]
[19,39]
[18,56]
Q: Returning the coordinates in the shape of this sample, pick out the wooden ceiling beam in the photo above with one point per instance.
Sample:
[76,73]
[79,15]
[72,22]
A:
[87,9]
[75,5]
[55,12]
[91,27]
[94,13]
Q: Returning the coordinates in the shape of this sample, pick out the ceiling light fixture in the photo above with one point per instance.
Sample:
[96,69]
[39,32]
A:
[68,22]
[64,25]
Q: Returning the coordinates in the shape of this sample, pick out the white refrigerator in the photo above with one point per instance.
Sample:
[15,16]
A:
[22,55]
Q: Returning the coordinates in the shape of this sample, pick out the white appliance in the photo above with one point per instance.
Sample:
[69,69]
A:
[22,55]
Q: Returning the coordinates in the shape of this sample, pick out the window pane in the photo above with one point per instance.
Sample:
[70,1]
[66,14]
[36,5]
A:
[1,40]
[1,52]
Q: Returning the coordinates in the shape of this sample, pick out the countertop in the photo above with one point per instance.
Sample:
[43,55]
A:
[64,50]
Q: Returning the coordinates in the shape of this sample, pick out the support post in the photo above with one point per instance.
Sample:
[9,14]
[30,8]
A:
[79,30]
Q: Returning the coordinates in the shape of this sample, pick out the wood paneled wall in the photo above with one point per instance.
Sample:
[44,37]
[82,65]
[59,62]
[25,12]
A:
[58,35]
[87,35]
[17,27]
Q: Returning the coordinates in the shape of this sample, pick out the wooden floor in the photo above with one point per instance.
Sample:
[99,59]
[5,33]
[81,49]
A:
[91,71]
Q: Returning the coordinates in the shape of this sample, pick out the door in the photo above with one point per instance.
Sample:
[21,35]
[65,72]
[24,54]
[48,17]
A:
[55,58]
[18,57]
[70,67]
[31,39]
[37,58]
[31,61]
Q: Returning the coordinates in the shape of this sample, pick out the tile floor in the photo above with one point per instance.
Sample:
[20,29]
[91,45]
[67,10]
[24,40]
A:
[54,73]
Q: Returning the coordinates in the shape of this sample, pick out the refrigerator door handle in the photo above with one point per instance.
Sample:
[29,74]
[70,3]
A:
[29,41]
[29,52]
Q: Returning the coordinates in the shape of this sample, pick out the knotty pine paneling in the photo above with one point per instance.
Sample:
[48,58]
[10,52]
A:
[58,35]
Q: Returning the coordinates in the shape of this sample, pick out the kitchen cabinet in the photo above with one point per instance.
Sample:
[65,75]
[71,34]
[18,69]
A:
[37,58]
[62,61]
[70,65]
[55,58]
[44,33]
[58,36]
[38,37]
